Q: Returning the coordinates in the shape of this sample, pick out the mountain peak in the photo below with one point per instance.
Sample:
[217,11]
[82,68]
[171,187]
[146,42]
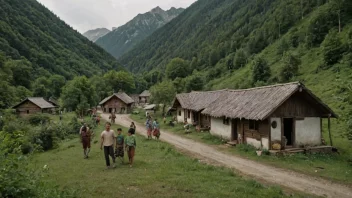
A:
[157,10]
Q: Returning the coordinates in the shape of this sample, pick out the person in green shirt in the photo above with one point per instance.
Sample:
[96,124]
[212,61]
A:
[130,146]
[119,150]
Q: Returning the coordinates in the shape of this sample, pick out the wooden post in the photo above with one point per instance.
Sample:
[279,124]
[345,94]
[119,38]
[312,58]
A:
[329,128]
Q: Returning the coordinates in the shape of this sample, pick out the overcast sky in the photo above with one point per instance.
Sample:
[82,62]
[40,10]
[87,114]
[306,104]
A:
[85,15]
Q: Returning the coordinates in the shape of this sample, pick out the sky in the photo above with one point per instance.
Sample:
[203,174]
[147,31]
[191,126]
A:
[84,15]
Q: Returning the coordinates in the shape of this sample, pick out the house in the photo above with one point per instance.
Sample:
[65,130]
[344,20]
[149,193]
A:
[54,102]
[118,102]
[135,98]
[190,105]
[34,105]
[144,97]
[150,109]
[288,114]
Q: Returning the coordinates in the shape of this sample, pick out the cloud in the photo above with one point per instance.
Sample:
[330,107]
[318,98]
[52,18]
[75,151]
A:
[84,15]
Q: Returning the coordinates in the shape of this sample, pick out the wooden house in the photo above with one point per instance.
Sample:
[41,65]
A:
[117,103]
[288,114]
[34,105]
[144,97]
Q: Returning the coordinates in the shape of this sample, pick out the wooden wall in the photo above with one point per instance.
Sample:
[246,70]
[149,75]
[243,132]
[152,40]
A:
[263,129]
[205,120]
[116,104]
[299,105]
[28,106]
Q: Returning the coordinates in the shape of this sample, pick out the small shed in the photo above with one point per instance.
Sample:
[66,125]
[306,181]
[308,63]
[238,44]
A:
[150,109]
[117,103]
[144,97]
[34,105]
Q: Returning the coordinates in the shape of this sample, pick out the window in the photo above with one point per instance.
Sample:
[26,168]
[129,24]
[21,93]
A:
[226,121]
[179,113]
[27,111]
[188,114]
[253,125]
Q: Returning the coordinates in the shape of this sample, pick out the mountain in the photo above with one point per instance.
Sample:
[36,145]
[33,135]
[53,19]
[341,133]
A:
[94,35]
[124,38]
[245,43]
[39,53]
[30,31]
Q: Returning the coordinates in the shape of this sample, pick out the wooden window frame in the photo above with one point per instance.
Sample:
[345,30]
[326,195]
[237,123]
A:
[226,121]
[253,125]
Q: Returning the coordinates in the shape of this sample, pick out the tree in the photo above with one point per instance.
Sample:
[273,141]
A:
[77,93]
[261,70]
[332,48]
[194,83]
[40,87]
[240,59]
[214,57]
[179,84]
[177,67]
[22,70]
[56,83]
[101,87]
[289,68]
[163,93]
[283,46]
[120,80]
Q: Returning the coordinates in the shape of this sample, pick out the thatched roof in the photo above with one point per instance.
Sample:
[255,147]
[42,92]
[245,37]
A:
[255,103]
[40,102]
[197,100]
[121,95]
[145,93]
[150,107]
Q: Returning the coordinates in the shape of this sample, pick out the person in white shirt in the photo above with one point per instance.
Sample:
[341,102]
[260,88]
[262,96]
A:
[108,140]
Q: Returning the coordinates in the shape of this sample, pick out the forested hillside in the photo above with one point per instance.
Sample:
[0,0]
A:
[39,52]
[124,38]
[217,44]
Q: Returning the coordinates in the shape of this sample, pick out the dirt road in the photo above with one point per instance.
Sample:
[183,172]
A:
[282,177]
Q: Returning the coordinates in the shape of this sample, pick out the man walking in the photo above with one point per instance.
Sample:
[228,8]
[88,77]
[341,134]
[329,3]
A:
[85,139]
[108,140]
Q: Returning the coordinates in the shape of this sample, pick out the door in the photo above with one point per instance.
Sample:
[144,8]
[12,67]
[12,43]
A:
[234,134]
[289,131]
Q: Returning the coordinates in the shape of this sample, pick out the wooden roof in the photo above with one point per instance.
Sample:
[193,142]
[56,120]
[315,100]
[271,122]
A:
[255,103]
[39,101]
[121,95]
[145,93]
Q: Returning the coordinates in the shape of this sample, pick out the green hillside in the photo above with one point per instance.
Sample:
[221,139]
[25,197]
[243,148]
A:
[39,52]
[217,44]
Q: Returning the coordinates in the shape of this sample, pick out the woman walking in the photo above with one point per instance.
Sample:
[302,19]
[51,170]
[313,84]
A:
[156,129]
[131,144]
[149,128]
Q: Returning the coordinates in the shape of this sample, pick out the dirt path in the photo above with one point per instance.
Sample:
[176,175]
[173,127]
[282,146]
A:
[282,177]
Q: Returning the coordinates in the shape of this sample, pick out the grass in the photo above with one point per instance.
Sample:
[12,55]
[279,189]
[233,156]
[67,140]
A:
[333,167]
[159,171]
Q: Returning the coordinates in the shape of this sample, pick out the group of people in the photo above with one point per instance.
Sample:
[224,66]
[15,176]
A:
[114,145]
[153,128]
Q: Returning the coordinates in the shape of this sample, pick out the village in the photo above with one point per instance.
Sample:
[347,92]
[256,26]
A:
[278,118]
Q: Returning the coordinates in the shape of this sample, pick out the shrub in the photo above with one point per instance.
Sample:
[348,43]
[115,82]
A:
[39,119]
[246,148]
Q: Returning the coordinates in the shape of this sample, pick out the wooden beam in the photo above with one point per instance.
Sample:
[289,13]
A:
[329,128]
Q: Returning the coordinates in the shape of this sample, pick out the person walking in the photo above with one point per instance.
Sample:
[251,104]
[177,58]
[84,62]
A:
[108,141]
[85,139]
[156,129]
[130,146]
[149,128]
[133,126]
[120,139]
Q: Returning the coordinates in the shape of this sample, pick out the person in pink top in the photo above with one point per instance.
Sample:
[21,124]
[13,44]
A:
[108,140]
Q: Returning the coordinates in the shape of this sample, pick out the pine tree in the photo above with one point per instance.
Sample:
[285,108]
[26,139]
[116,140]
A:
[261,70]
[332,48]
[289,68]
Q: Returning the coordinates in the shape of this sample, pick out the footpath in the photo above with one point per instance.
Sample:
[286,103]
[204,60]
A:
[277,176]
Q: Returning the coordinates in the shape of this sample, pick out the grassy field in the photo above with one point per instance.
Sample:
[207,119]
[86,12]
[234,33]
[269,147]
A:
[334,167]
[159,171]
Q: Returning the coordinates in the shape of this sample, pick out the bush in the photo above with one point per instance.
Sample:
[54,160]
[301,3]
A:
[39,119]
[246,148]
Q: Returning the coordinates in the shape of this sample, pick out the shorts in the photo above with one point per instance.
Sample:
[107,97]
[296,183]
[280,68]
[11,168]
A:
[119,152]
[86,142]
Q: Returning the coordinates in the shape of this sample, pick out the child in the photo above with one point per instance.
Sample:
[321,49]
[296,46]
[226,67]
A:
[119,152]
[156,129]
[130,146]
